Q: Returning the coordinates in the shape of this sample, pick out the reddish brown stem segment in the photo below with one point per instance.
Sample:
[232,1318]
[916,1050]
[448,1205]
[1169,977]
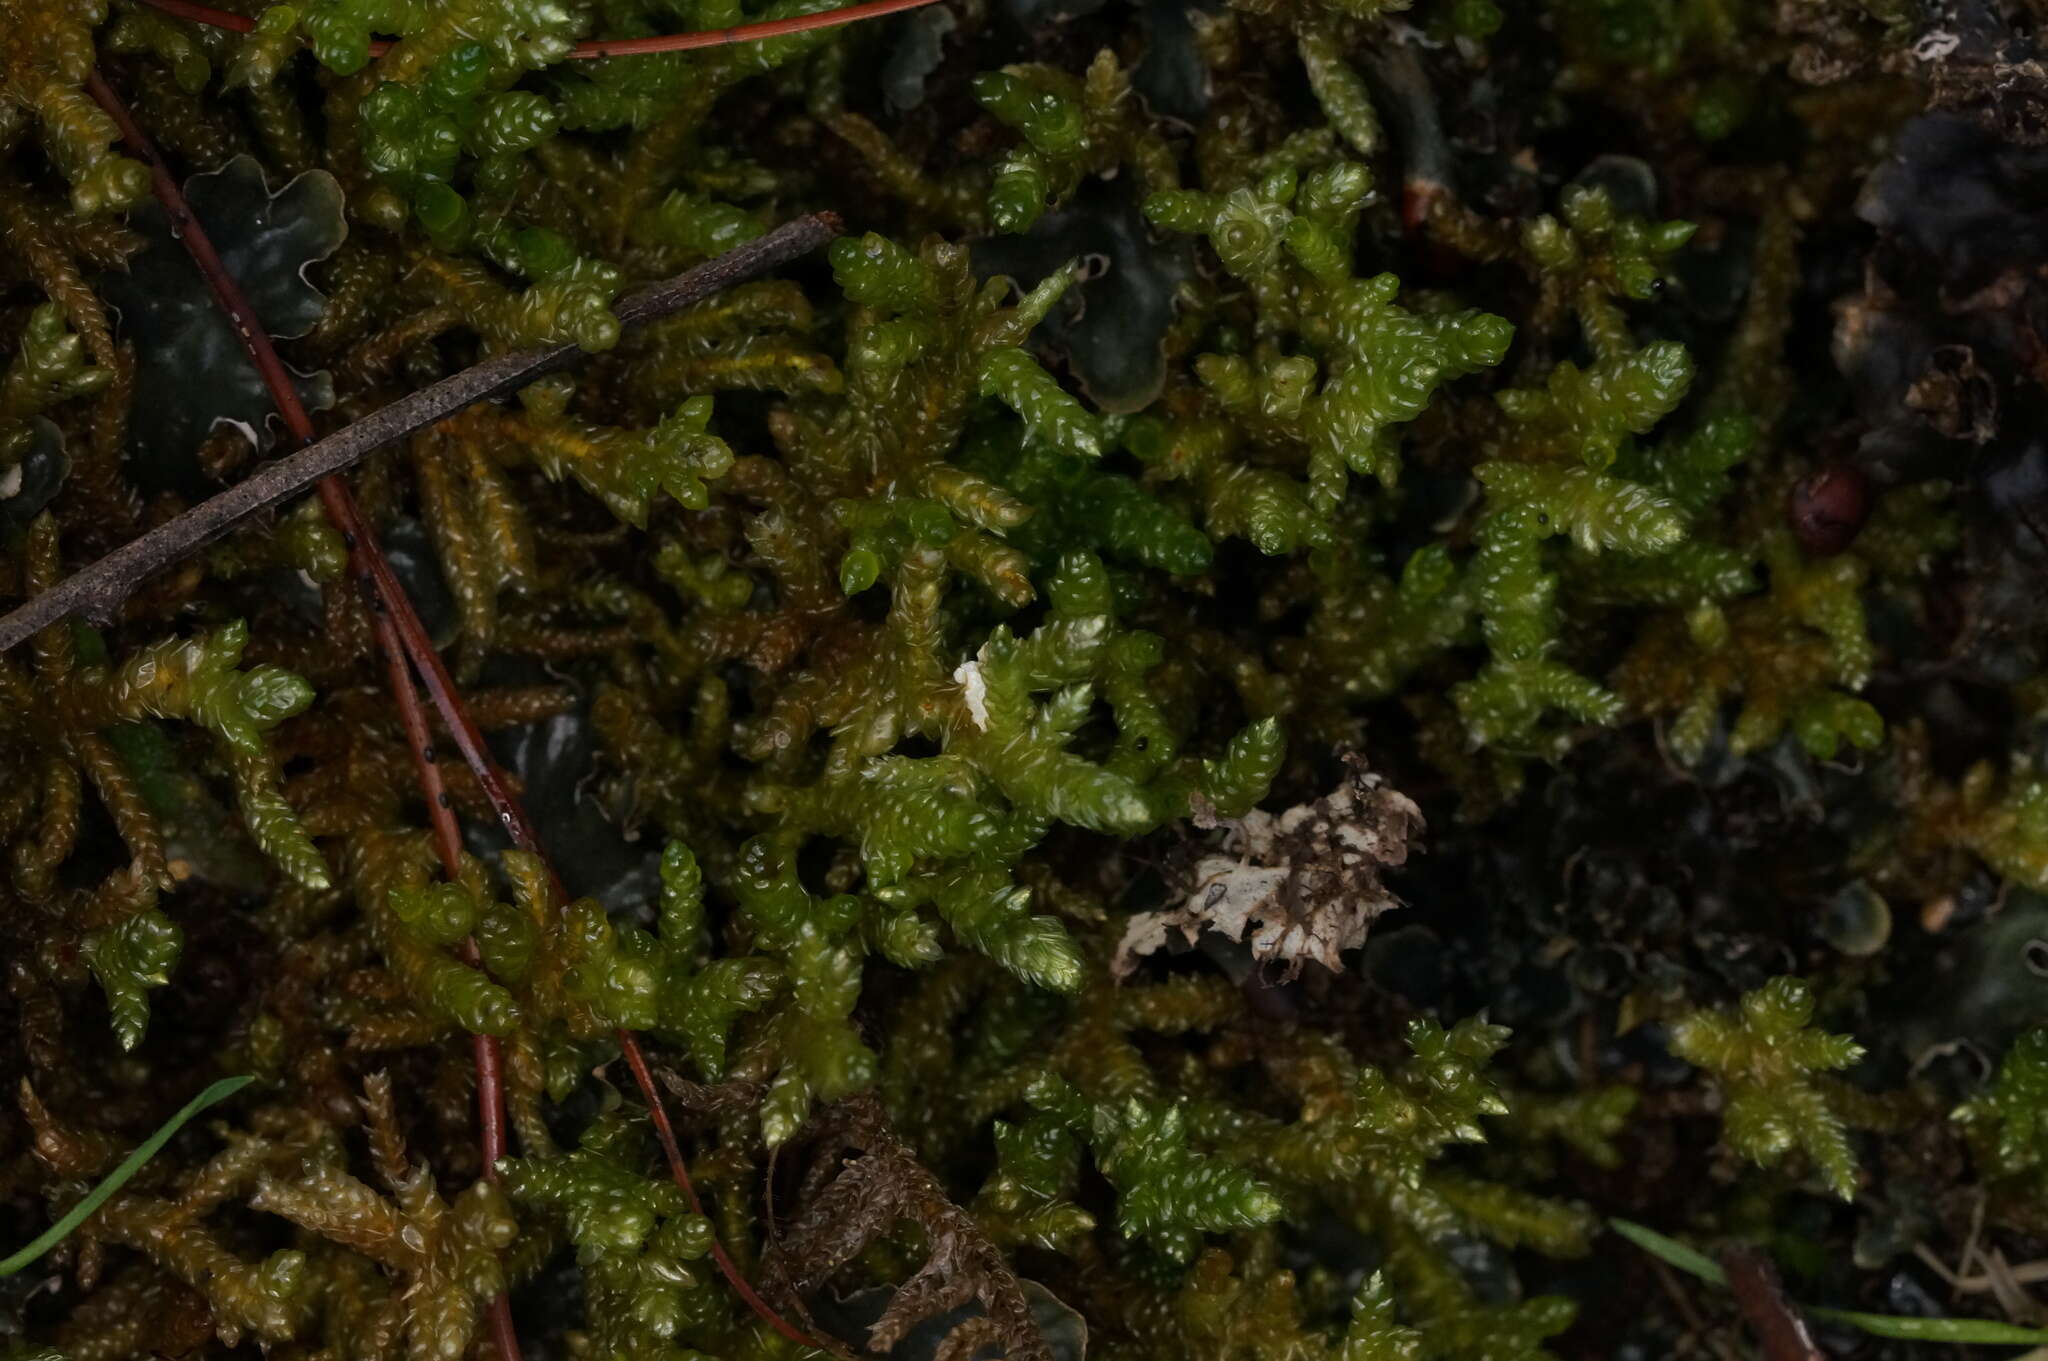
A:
[490,1082]
[665,1132]
[613,47]
[366,561]
[1770,1315]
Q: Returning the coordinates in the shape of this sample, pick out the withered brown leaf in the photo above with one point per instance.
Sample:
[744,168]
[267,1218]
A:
[1299,885]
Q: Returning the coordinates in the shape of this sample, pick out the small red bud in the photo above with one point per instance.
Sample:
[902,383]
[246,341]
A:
[1828,508]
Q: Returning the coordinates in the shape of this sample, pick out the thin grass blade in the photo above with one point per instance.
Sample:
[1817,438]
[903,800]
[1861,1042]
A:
[1977,1331]
[115,1180]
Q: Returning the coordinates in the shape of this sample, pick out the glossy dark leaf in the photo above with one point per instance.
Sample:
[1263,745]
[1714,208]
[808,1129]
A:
[31,484]
[1111,324]
[1173,76]
[555,760]
[192,373]
[919,47]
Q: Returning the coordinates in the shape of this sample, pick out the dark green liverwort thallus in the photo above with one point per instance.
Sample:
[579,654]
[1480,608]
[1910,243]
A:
[1040,678]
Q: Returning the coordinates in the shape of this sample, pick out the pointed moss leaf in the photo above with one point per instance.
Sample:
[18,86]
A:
[1374,1333]
[1238,781]
[1166,1189]
[129,960]
[48,368]
[879,273]
[1016,379]
[1767,1055]
[2016,1107]
[1340,90]
[1598,511]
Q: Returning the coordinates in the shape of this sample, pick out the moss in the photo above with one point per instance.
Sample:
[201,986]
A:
[881,653]
[1768,1061]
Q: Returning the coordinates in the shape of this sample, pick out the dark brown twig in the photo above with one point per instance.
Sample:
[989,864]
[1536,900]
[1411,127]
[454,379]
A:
[96,592]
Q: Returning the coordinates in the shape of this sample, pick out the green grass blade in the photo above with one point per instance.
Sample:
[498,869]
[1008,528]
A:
[147,1149]
[1958,1330]
[1671,1250]
[1978,1330]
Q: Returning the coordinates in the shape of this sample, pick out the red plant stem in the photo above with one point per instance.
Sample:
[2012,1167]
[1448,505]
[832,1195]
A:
[200,247]
[665,1132]
[397,621]
[490,1082]
[490,1096]
[367,563]
[613,47]
[426,761]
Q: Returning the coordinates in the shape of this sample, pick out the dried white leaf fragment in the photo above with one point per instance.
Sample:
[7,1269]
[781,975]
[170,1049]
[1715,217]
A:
[1297,886]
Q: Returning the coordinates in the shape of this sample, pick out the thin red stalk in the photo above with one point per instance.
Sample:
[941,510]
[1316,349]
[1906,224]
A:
[412,717]
[398,621]
[513,814]
[367,562]
[613,47]
[665,1132]
[521,830]
[433,672]
[426,761]
[490,1082]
